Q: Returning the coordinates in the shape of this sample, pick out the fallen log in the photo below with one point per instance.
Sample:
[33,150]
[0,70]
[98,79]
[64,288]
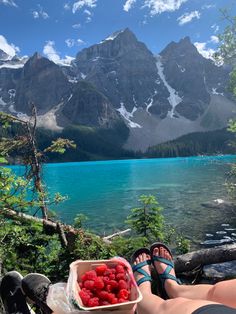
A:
[107,239]
[190,261]
[50,225]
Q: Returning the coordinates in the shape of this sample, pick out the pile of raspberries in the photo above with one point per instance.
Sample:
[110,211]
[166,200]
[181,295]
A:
[104,286]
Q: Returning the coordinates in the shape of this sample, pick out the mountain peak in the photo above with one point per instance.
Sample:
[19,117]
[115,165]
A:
[121,34]
[183,47]
[4,56]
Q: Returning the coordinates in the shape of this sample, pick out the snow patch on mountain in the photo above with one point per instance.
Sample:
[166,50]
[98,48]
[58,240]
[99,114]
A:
[174,98]
[112,36]
[12,93]
[128,115]
[12,66]
[49,119]
[214,92]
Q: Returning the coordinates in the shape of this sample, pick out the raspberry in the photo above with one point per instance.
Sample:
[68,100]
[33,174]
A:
[91,275]
[114,301]
[83,277]
[112,276]
[123,294]
[103,295]
[101,269]
[120,276]
[84,297]
[111,297]
[106,279]
[103,302]
[113,284]
[121,300]
[107,272]
[108,288]
[98,283]
[89,284]
[120,269]
[80,285]
[122,284]
[113,270]
[93,302]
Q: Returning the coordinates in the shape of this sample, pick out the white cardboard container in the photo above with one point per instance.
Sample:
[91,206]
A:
[78,268]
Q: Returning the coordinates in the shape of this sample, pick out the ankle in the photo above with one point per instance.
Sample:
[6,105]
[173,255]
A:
[145,288]
[172,288]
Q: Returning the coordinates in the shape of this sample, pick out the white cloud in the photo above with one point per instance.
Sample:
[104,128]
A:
[66,6]
[10,49]
[76,26]
[87,12]
[51,53]
[188,17]
[88,19]
[128,4]
[40,13]
[208,6]
[204,50]
[80,42]
[8,2]
[215,27]
[160,6]
[214,39]
[83,3]
[70,42]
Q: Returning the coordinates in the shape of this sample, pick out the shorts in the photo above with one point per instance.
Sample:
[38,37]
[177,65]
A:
[215,309]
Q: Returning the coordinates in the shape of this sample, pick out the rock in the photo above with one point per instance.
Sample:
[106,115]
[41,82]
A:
[219,204]
[220,271]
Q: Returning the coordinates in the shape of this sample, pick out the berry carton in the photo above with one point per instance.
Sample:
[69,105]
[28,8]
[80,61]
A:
[103,285]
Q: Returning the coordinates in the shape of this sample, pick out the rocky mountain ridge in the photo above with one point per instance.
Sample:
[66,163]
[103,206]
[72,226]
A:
[120,82]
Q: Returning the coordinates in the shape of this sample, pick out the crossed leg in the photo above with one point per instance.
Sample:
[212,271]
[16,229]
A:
[152,304]
[223,292]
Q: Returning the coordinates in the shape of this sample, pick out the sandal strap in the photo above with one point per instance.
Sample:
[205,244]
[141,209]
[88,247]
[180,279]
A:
[138,268]
[140,265]
[144,279]
[163,260]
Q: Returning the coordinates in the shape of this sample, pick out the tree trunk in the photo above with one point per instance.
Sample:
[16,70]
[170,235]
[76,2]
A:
[190,261]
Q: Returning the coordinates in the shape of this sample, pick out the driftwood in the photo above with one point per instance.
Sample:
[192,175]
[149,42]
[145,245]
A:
[108,239]
[190,261]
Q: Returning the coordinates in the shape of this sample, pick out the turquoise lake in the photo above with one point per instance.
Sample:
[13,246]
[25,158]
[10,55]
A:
[105,191]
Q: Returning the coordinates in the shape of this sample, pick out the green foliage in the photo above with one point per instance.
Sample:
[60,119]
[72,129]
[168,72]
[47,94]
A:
[13,191]
[59,146]
[125,246]
[26,248]
[79,220]
[147,220]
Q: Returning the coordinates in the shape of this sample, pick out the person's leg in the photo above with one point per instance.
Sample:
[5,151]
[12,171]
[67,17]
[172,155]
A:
[12,297]
[35,286]
[152,304]
[222,292]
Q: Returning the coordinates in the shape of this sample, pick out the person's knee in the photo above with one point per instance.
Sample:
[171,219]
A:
[170,304]
[212,292]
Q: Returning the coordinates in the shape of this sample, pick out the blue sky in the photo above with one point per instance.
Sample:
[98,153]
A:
[60,28]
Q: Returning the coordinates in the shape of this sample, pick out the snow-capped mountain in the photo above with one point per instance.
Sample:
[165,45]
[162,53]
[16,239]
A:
[158,97]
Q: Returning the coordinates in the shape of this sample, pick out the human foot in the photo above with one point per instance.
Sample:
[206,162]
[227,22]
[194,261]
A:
[163,263]
[141,261]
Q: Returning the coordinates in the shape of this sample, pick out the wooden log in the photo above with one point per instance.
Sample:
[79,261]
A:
[190,261]
[50,225]
[107,239]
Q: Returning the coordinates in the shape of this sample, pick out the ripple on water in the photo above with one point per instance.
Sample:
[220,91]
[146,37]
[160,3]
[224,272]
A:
[221,232]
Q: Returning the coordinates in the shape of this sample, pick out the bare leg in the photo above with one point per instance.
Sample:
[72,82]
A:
[152,304]
[222,292]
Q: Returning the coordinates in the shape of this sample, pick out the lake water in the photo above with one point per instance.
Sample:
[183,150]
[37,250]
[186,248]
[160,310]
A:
[105,191]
